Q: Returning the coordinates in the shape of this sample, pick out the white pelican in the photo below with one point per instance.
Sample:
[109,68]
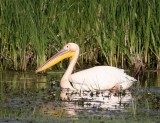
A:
[96,78]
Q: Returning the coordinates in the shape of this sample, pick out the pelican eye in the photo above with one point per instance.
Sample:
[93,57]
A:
[67,47]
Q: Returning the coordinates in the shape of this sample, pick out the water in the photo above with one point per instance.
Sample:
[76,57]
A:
[28,97]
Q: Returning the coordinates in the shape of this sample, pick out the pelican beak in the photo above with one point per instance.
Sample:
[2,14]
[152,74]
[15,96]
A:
[56,59]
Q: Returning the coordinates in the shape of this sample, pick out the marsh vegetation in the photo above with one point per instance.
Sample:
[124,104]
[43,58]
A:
[109,32]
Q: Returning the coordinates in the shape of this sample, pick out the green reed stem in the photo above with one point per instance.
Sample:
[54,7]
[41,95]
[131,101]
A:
[107,31]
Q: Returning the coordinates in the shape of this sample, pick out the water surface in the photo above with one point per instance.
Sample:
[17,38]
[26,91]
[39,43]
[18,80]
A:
[28,97]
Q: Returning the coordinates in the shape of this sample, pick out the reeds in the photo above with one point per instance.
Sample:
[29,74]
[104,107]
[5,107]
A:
[107,31]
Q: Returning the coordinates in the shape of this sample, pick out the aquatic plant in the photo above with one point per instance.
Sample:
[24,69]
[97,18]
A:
[108,31]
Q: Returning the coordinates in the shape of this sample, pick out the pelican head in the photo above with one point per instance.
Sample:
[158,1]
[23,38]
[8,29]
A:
[70,50]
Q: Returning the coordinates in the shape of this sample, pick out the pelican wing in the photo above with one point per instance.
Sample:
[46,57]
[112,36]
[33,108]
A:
[100,78]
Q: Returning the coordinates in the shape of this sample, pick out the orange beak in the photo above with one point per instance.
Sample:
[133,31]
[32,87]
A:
[56,59]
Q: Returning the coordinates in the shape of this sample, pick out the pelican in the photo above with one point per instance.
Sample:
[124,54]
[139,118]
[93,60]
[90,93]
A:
[92,79]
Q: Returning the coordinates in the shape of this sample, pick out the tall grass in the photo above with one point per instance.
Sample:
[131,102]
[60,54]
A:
[107,31]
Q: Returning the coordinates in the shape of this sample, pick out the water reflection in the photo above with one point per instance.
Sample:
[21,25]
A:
[149,79]
[29,90]
[101,100]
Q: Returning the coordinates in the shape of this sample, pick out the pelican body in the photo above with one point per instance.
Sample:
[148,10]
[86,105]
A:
[96,78]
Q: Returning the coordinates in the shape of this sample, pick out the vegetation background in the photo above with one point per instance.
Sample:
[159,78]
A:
[109,32]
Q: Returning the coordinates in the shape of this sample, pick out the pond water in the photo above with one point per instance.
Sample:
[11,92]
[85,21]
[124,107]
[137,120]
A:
[28,97]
